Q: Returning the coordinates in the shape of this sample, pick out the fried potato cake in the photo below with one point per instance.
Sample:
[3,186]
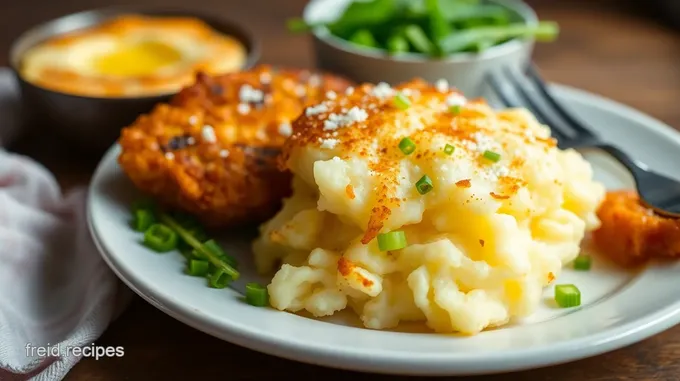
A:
[211,150]
[631,233]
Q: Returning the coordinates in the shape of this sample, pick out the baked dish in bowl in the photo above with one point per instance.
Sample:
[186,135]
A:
[87,75]
[132,55]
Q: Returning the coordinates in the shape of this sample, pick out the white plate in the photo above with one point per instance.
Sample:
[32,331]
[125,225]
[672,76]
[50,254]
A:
[619,308]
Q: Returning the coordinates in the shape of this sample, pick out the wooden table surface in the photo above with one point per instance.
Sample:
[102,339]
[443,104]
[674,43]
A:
[612,52]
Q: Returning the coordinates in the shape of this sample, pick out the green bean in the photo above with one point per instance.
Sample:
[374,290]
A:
[487,12]
[397,44]
[419,40]
[544,31]
[430,27]
[439,26]
[363,14]
[364,37]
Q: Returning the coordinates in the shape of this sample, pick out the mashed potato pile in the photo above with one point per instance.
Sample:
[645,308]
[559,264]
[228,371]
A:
[506,210]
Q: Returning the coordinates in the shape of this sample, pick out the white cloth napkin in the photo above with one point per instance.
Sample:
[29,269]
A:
[55,289]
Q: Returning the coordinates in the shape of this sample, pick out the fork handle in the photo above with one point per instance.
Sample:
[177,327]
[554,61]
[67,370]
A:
[637,169]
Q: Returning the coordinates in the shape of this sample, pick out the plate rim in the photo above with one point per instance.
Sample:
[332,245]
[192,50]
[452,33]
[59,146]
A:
[616,337]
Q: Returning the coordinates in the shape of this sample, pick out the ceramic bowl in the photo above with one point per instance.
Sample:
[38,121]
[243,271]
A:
[94,123]
[466,71]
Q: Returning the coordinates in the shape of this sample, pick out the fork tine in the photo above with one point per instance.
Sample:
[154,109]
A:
[535,108]
[505,96]
[509,99]
[536,79]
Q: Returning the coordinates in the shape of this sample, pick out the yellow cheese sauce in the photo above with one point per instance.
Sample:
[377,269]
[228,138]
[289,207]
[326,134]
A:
[139,59]
[132,56]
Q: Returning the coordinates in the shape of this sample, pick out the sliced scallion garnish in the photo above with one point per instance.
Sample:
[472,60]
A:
[491,156]
[567,295]
[143,219]
[215,248]
[160,238]
[407,146]
[424,185]
[219,279]
[401,101]
[218,262]
[392,241]
[198,267]
[256,295]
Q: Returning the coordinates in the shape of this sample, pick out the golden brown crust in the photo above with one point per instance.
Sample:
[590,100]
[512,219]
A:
[233,179]
[346,268]
[631,233]
[378,121]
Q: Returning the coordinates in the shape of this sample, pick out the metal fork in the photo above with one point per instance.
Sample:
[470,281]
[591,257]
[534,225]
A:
[529,91]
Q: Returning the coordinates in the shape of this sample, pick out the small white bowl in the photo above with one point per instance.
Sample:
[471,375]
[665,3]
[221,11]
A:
[465,71]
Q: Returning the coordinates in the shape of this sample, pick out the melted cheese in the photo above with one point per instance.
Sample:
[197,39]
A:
[137,59]
[132,56]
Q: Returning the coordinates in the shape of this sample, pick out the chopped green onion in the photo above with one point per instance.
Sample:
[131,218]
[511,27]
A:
[160,238]
[455,109]
[419,40]
[216,249]
[401,101]
[219,279]
[392,241]
[448,149]
[198,267]
[407,146]
[196,244]
[256,295]
[363,37]
[397,44]
[492,156]
[424,185]
[582,262]
[143,219]
[567,295]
